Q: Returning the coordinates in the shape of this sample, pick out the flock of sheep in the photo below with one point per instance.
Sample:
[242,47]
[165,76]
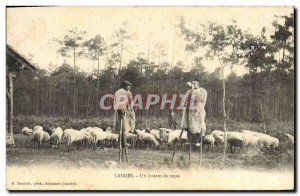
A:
[97,137]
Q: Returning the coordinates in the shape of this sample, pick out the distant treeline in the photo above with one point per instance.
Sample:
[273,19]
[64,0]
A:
[51,94]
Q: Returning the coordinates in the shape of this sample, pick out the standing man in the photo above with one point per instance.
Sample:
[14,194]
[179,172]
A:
[193,118]
[124,118]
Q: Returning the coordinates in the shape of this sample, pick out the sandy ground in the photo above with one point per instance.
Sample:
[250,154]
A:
[87,169]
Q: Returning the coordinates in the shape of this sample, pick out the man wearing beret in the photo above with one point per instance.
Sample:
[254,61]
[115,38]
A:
[124,110]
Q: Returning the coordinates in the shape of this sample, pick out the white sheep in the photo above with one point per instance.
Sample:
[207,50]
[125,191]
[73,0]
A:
[219,137]
[263,140]
[26,131]
[209,140]
[112,138]
[84,129]
[93,130]
[217,132]
[174,136]
[98,136]
[164,134]
[88,137]
[46,136]
[37,127]
[147,138]
[70,136]
[39,136]
[267,141]
[65,133]
[290,138]
[165,130]
[234,139]
[97,129]
[88,128]
[156,134]
[252,133]
[286,142]
[73,135]
[56,136]
[131,139]
[250,139]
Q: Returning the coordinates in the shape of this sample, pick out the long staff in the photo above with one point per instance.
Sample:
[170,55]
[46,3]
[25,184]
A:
[120,143]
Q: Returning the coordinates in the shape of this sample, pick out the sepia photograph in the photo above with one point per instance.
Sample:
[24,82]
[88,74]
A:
[150,98]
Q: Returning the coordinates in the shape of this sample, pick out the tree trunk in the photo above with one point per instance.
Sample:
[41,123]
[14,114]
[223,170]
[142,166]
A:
[263,116]
[120,65]
[224,116]
[268,95]
[41,98]
[63,99]
[98,87]
[173,53]
[74,83]
[37,98]
[214,102]
[54,103]
[11,106]
[88,103]
[50,102]
[147,92]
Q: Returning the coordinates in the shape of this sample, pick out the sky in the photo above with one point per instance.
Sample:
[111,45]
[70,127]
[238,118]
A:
[30,30]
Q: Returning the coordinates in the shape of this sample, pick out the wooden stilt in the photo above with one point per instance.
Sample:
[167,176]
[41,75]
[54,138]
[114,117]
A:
[201,148]
[175,146]
[126,154]
[190,151]
[124,147]
[120,142]
[133,144]
[173,153]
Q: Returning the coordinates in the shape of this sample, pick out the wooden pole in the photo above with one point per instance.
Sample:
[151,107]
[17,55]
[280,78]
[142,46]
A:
[11,107]
[120,142]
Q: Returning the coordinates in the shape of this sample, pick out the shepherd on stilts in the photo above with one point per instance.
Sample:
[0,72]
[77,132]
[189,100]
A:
[193,118]
[124,119]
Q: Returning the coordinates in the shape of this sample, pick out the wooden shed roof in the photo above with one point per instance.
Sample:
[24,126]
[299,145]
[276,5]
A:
[16,62]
